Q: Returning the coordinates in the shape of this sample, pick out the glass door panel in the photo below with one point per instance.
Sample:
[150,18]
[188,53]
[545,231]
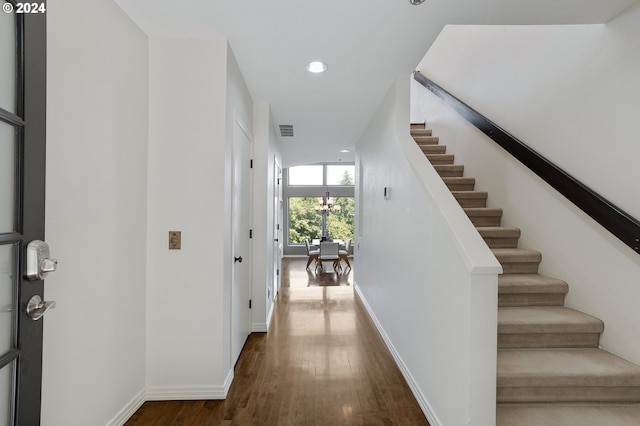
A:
[6,393]
[7,176]
[7,298]
[8,62]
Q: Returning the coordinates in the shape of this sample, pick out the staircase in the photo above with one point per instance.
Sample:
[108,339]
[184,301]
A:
[550,370]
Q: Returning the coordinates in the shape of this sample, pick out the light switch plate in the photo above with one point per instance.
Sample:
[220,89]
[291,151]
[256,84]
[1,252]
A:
[175,240]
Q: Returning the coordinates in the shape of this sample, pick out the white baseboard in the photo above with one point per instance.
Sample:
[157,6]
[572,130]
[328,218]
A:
[125,414]
[184,393]
[415,389]
[259,327]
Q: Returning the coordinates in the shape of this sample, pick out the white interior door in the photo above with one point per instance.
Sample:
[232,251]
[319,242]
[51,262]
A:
[277,228]
[241,249]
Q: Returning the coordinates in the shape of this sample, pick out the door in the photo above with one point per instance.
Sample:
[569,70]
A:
[241,249]
[277,227]
[22,178]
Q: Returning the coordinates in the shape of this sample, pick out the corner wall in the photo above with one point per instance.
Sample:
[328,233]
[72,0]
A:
[424,274]
[265,151]
[97,133]
[187,320]
[572,94]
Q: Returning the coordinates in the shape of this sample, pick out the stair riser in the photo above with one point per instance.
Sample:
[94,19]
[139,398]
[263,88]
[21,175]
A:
[460,186]
[449,171]
[530,299]
[433,149]
[520,267]
[485,220]
[568,394]
[437,159]
[548,340]
[426,140]
[502,242]
[472,202]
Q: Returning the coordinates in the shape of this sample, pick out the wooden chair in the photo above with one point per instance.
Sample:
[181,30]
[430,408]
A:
[330,252]
[312,253]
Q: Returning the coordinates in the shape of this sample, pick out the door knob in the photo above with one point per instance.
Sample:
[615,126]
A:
[36,308]
[237,259]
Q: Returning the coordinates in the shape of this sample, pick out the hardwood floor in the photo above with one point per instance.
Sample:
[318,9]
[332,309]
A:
[321,363]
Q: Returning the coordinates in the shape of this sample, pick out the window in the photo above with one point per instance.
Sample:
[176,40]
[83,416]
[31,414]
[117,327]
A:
[305,222]
[322,175]
[307,188]
[306,175]
[340,174]
[340,222]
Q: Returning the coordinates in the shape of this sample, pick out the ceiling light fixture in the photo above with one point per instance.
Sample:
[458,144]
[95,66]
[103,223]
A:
[344,150]
[316,67]
[416,2]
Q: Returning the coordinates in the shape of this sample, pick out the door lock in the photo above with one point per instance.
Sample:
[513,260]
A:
[38,262]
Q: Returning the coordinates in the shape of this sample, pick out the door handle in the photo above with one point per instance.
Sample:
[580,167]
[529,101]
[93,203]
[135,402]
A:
[36,308]
[237,259]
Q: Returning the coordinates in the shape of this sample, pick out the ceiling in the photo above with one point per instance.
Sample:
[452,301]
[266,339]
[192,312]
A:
[366,44]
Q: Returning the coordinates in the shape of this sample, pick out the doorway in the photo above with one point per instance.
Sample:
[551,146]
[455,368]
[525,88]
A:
[241,242]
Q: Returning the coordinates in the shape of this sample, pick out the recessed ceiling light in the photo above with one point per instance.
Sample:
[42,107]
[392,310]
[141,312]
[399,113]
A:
[344,150]
[416,2]
[316,67]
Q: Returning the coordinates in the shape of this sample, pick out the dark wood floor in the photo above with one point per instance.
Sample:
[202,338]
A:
[321,363]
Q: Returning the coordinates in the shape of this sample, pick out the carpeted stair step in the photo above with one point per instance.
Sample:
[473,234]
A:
[500,236]
[417,126]
[433,149]
[518,261]
[530,290]
[440,158]
[449,170]
[568,414]
[421,132]
[426,140]
[483,216]
[547,327]
[471,198]
[460,183]
[565,375]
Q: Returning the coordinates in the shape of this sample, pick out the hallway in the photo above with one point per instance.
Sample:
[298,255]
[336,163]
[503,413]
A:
[322,363]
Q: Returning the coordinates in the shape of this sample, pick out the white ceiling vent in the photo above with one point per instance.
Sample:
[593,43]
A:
[286,130]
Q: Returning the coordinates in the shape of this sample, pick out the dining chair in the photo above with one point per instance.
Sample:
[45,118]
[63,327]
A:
[344,254]
[330,252]
[312,253]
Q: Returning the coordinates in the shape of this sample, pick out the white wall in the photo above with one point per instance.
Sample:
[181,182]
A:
[97,107]
[265,150]
[187,292]
[426,277]
[572,94]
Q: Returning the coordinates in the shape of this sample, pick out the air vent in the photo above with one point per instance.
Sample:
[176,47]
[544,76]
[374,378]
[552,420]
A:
[286,130]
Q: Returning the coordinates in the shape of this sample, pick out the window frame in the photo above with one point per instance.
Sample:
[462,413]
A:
[317,191]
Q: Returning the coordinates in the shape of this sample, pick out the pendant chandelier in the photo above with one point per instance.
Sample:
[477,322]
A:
[326,204]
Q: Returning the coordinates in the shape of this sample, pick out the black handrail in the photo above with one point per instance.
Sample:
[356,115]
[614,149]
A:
[607,214]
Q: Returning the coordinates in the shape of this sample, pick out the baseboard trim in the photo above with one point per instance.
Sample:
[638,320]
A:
[259,327]
[125,414]
[184,393]
[415,389]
